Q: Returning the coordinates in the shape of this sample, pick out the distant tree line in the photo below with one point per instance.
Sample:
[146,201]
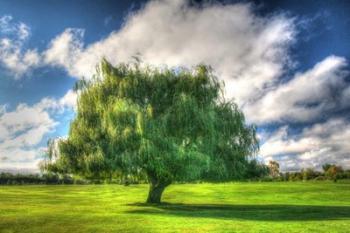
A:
[329,172]
[255,171]
[7,178]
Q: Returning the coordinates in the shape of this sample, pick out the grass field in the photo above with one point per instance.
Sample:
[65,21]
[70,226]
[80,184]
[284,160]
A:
[228,207]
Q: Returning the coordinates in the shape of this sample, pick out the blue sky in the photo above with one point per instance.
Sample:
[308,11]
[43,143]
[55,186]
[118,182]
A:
[285,64]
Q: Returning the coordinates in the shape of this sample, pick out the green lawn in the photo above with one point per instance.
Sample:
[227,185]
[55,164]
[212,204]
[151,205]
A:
[229,207]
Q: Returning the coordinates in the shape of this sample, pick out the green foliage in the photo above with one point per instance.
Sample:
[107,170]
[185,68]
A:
[54,178]
[256,170]
[330,172]
[326,166]
[49,178]
[334,172]
[172,125]
[310,174]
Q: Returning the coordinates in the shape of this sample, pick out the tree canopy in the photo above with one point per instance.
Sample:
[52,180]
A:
[170,124]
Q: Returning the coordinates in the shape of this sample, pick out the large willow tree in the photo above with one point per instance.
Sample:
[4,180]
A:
[170,124]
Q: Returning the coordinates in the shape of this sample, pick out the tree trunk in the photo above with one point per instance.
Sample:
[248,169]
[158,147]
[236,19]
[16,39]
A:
[156,189]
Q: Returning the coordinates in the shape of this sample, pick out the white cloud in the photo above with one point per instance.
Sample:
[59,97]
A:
[23,129]
[345,98]
[7,26]
[69,100]
[23,31]
[20,131]
[2,109]
[304,98]
[65,49]
[20,159]
[249,52]
[12,54]
[25,126]
[321,143]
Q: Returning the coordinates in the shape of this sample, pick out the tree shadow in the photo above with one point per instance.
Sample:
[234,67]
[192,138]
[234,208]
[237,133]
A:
[247,212]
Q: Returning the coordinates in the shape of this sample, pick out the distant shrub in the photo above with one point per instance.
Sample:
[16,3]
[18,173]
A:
[256,170]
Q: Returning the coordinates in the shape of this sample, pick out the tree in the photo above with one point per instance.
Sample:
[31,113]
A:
[334,172]
[309,174]
[170,124]
[274,168]
[256,170]
[325,167]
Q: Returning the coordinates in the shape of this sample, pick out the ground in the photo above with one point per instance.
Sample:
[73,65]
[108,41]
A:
[230,207]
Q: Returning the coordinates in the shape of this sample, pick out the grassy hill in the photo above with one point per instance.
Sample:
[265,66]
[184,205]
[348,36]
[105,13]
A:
[229,207]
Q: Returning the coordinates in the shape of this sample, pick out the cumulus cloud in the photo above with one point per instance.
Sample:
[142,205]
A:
[8,27]
[250,53]
[21,159]
[2,109]
[321,143]
[24,118]
[69,100]
[12,54]
[247,51]
[23,129]
[306,97]
[65,49]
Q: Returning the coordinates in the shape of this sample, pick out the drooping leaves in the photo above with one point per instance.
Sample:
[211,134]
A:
[173,124]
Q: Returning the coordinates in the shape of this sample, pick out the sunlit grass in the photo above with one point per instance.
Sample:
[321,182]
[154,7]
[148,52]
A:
[228,207]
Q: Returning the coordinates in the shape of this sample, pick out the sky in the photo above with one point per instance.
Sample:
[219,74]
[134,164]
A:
[285,63]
